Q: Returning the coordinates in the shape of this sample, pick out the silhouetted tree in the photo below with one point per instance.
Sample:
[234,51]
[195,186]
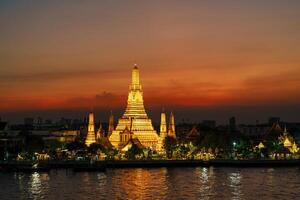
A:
[33,143]
[93,148]
[133,152]
[76,145]
[169,146]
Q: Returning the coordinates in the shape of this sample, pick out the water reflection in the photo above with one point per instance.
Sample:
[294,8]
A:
[136,183]
[101,180]
[206,182]
[159,183]
[235,184]
[38,185]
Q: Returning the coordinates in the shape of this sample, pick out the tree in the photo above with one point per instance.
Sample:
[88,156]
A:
[93,148]
[133,152]
[76,145]
[110,153]
[183,151]
[34,143]
[169,146]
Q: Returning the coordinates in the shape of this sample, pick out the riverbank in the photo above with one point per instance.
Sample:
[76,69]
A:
[102,165]
[203,163]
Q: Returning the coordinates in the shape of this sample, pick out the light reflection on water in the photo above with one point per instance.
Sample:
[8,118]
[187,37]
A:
[159,183]
[235,185]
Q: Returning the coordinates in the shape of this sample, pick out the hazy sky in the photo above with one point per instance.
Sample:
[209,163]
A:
[203,59]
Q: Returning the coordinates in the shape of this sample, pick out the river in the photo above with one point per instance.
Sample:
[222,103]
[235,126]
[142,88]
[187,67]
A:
[155,183]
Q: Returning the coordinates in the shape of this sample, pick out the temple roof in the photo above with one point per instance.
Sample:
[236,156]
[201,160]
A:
[287,142]
[126,130]
[193,133]
[105,142]
[135,141]
[261,145]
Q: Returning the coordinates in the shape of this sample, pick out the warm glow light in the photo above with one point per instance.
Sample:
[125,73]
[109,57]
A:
[135,118]
[90,139]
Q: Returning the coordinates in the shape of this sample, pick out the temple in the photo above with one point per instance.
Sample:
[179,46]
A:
[171,131]
[134,124]
[163,131]
[90,138]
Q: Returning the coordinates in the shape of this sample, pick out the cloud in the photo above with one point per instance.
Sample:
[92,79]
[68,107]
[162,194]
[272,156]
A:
[277,79]
[106,96]
[60,75]
[102,100]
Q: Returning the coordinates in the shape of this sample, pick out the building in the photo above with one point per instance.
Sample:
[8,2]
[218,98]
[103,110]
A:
[100,133]
[171,129]
[163,131]
[232,124]
[193,134]
[61,136]
[209,123]
[135,118]
[90,138]
[254,130]
[28,121]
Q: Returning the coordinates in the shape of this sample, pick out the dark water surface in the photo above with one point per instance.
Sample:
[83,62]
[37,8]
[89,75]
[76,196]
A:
[159,183]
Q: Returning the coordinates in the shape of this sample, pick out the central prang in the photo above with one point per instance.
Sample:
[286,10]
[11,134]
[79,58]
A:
[135,121]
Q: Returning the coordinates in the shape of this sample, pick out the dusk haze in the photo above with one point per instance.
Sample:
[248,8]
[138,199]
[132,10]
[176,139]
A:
[205,55]
[157,99]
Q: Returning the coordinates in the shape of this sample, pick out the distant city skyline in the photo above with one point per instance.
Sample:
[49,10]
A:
[202,60]
[220,115]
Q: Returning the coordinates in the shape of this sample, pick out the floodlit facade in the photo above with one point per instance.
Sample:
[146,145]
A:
[135,118]
[163,131]
[171,131]
[90,138]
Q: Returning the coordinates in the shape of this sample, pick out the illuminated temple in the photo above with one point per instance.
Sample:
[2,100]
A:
[134,124]
[90,139]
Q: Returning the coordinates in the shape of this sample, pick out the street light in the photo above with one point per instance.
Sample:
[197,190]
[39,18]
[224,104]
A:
[234,144]
[234,149]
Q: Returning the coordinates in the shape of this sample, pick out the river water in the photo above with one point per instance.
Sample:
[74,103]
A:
[155,183]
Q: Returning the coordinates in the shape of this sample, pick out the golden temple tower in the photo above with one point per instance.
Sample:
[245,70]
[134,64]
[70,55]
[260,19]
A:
[171,131]
[163,124]
[90,138]
[135,116]
[100,133]
[163,131]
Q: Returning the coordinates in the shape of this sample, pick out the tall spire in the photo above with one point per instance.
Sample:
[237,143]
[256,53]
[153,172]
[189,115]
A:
[135,77]
[100,132]
[163,124]
[135,103]
[171,131]
[90,138]
[163,132]
[111,127]
[285,131]
[135,118]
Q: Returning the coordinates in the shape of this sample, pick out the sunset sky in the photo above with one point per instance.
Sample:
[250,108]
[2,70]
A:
[201,59]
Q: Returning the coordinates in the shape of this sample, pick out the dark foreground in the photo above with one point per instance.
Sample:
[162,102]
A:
[17,166]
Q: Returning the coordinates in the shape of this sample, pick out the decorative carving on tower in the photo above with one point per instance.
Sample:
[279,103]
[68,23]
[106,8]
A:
[90,138]
[171,129]
[135,116]
[163,131]
[163,124]
[135,103]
